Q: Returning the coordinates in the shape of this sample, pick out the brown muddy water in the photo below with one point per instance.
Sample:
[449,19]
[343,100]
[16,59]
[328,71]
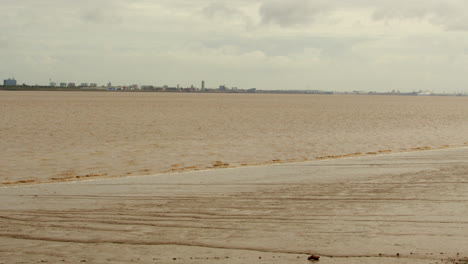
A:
[57,136]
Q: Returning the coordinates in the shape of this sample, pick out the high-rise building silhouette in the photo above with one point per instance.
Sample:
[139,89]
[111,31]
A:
[9,82]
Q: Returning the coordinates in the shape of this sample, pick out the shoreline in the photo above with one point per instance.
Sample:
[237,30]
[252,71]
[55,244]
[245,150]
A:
[216,91]
[222,165]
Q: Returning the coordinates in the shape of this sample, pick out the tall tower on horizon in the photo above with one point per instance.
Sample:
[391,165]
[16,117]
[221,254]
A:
[203,85]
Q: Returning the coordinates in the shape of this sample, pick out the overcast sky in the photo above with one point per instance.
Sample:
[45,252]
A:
[371,45]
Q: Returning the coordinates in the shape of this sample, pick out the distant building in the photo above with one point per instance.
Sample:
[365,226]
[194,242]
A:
[189,90]
[166,88]
[222,88]
[203,85]
[424,93]
[147,87]
[72,84]
[84,85]
[252,90]
[9,82]
[62,84]
[93,85]
[52,84]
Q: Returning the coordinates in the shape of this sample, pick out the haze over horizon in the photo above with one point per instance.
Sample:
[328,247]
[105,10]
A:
[268,44]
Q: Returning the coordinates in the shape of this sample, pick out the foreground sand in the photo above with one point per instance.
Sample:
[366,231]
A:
[353,210]
[58,136]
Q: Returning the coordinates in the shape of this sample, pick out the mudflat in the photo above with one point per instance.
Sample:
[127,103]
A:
[60,136]
[396,208]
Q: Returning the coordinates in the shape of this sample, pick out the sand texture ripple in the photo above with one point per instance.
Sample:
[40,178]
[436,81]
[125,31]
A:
[403,208]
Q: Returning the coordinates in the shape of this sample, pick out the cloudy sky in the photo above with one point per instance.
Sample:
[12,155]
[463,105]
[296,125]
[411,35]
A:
[370,45]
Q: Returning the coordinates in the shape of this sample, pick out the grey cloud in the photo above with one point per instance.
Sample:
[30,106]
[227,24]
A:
[220,9]
[457,25]
[100,15]
[102,11]
[398,13]
[4,43]
[415,9]
[291,12]
[449,14]
[54,13]
[280,46]
[227,12]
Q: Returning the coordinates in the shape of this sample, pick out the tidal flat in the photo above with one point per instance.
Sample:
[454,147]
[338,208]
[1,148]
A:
[404,208]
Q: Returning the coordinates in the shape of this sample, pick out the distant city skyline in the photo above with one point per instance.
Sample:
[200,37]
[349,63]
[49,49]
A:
[268,44]
[11,84]
[223,87]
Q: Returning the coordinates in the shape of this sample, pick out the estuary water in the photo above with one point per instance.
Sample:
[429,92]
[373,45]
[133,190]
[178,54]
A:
[58,136]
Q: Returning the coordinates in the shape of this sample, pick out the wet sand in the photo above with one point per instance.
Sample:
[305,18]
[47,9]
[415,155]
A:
[394,208]
[59,136]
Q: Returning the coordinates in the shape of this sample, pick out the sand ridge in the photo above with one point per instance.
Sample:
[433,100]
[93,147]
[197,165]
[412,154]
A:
[178,168]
